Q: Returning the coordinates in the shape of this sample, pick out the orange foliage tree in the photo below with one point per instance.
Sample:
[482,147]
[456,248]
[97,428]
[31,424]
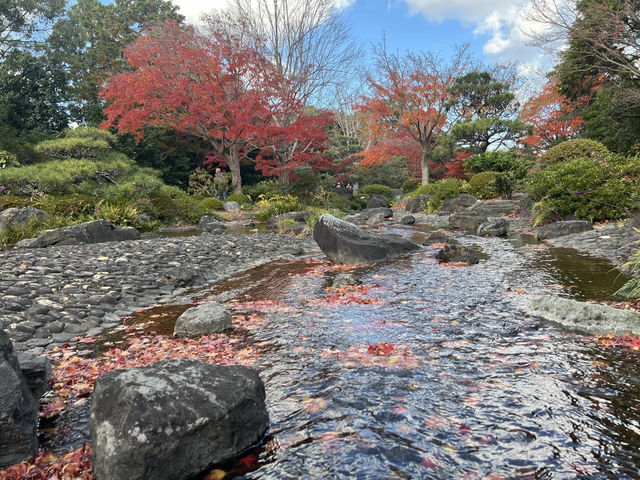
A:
[554,118]
[410,100]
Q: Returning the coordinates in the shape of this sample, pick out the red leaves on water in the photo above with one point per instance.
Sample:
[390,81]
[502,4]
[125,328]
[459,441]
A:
[46,466]
[346,296]
[74,376]
[323,267]
[249,461]
[381,348]
[271,306]
[625,341]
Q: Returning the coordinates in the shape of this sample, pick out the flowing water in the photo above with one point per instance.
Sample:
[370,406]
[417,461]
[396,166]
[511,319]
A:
[435,371]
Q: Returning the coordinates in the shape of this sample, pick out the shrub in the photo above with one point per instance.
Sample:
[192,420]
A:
[497,162]
[266,189]
[8,159]
[72,206]
[505,183]
[189,209]
[14,233]
[483,185]
[276,205]
[56,177]
[440,191]
[410,185]
[316,213]
[72,147]
[243,200]
[589,188]
[571,150]
[212,203]
[92,133]
[122,215]
[142,183]
[285,225]
[375,189]
[10,201]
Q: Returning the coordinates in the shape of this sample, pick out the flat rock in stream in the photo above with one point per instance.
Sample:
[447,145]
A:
[173,419]
[590,317]
[561,229]
[344,242]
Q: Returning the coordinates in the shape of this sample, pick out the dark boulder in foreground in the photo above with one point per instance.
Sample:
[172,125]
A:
[18,409]
[344,242]
[173,419]
[560,229]
[457,254]
[96,231]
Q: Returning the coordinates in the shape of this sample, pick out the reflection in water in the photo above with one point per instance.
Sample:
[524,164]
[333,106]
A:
[471,388]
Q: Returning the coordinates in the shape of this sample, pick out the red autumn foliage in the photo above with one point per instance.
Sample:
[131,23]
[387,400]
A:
[554,118]
[76,465]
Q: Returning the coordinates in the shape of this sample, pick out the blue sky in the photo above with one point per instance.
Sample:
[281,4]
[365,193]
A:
[493,28]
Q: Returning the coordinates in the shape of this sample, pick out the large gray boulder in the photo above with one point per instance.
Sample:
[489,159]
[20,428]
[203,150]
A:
[494,227]
[37,372]
[378,201]
[233,207]
[211,224]
[465,221]
[204,319]
[560,229]
[19,216]
[417,205]
[173,419]
[18,409]
[589,317]
[344,242]
[96,231]
[458,204]
[494,208]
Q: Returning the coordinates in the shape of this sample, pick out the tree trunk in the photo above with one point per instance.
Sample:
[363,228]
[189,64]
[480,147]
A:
[424,163]
[233,161]
[283,177]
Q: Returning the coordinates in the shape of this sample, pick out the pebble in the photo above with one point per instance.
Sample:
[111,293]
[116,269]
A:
[75,290]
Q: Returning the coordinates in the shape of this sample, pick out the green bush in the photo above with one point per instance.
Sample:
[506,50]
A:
[276,205]
[410,185]
[72,206]
[440,191]
[14,233]
[212,203]
[571,150]
[589,188]
[72,147]
[497,162]
[189,209]
[316,213]
[141,183]
[483,185]
[11,201]
[119,214]
[505,183]
[92,133]
[266,189]
[56,177]
[375,189]
[243,200]
[8,159]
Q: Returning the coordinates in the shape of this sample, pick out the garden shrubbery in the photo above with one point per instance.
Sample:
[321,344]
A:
[410,185]
[571,150]
[590,188]
[375,189]
[483,185]
[441,191]
[276,205]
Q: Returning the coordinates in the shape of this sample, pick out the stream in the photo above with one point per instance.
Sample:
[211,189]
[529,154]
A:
[428,370]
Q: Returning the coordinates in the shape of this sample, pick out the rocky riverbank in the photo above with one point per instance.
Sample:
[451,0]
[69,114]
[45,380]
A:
[52,295]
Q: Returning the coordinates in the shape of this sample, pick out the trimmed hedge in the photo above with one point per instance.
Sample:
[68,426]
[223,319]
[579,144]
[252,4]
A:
[571,150]
[483,185]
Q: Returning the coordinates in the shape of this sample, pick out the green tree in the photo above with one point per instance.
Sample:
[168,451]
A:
[90,40]
[487,107]
[23,22]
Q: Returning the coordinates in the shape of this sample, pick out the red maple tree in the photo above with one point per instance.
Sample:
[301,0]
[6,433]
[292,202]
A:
[410,100]
[212,87]
[554,118]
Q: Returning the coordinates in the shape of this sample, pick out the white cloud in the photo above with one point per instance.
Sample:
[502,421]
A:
[503,22]
[193,9]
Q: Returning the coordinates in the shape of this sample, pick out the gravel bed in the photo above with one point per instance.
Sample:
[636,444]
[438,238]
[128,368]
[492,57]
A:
[49,296]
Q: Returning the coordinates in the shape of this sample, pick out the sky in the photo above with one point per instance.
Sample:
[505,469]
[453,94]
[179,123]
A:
[494,28]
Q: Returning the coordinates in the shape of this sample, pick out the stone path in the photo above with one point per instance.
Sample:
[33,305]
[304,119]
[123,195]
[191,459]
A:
[49,296]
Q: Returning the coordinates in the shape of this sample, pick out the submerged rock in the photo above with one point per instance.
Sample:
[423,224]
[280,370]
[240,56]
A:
[560,229]
[96,231]
[173,419]
[204,319]
[18,409]
[344,242]
[457,254]
[343,280]
[590,317]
